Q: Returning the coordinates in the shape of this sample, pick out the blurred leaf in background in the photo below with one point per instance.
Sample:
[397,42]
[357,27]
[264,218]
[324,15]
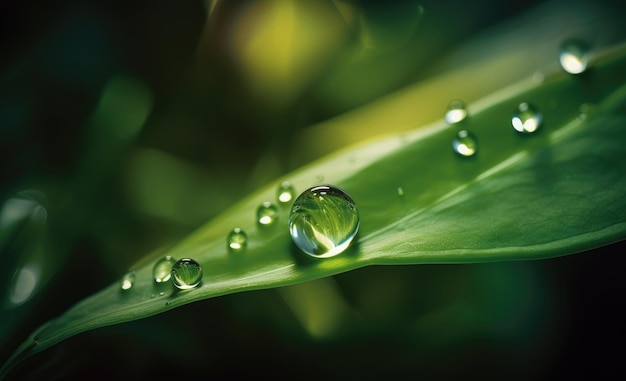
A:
[125,126]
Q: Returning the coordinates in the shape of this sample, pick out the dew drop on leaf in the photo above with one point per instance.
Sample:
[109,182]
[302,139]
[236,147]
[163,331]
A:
[526,119]
[267,213]
[465,143]
[456,112]
[584,110]
[323,221]
[186,274]
[400,191]
[237,240]
[574,56]
[285,193]
[128,280]
[162,270]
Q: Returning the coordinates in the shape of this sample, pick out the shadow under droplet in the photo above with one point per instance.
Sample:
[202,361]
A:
[304,260]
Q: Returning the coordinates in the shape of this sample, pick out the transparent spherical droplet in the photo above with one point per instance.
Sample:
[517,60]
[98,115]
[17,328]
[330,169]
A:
[267,213]
[128,280]
[527,119]
[323,221]
[237,240]
[186,274]
[456,112]
[400,191]
[285,193]
[465,143]
[584,110]
[162,270]
[574,56]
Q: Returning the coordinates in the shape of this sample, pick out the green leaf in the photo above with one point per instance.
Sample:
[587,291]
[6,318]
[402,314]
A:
[556,192]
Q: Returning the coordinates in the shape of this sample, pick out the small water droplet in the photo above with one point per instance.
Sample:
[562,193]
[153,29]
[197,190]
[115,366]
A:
[161,293]
[128,280]
[456,112]
[266,213]
[319,178]
[400,191]
[168,303]
[584,110]
[574,55]
[526,119]
[186,274]
[237,240]
[465,143]
[323,221]
[286,192]
[162,270]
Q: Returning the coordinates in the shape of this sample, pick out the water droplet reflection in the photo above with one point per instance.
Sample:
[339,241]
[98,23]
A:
[128,280]
[465,143]
[527,119]
[574,56]
[237,240]
[162,270]
[286,192]
[456,112]
[186,274]
[323,221]
[267,213]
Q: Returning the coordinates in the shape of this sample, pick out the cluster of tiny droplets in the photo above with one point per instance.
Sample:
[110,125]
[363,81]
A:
[267,214]
[526,119]
[330,202]
[185,274]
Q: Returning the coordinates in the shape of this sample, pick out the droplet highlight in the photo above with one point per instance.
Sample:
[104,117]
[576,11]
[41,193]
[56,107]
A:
[456,112]
[323,221]
[162,270]
[237,240]
[285,193]
[574,55]
[465,143]
[527,119]
[186,274]
[128,280]
[267,213]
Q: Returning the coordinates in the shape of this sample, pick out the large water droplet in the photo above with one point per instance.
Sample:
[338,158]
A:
[267,213]
[574,56]
[465,143]
[186,274]
[286,192]
[162,270]
[128,280]
[323,221]
[527,119]
[456,112]
[237,240]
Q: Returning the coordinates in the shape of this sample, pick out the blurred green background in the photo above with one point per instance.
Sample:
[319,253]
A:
[125,126]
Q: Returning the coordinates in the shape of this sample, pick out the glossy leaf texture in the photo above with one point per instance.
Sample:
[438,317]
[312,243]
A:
[556,192]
